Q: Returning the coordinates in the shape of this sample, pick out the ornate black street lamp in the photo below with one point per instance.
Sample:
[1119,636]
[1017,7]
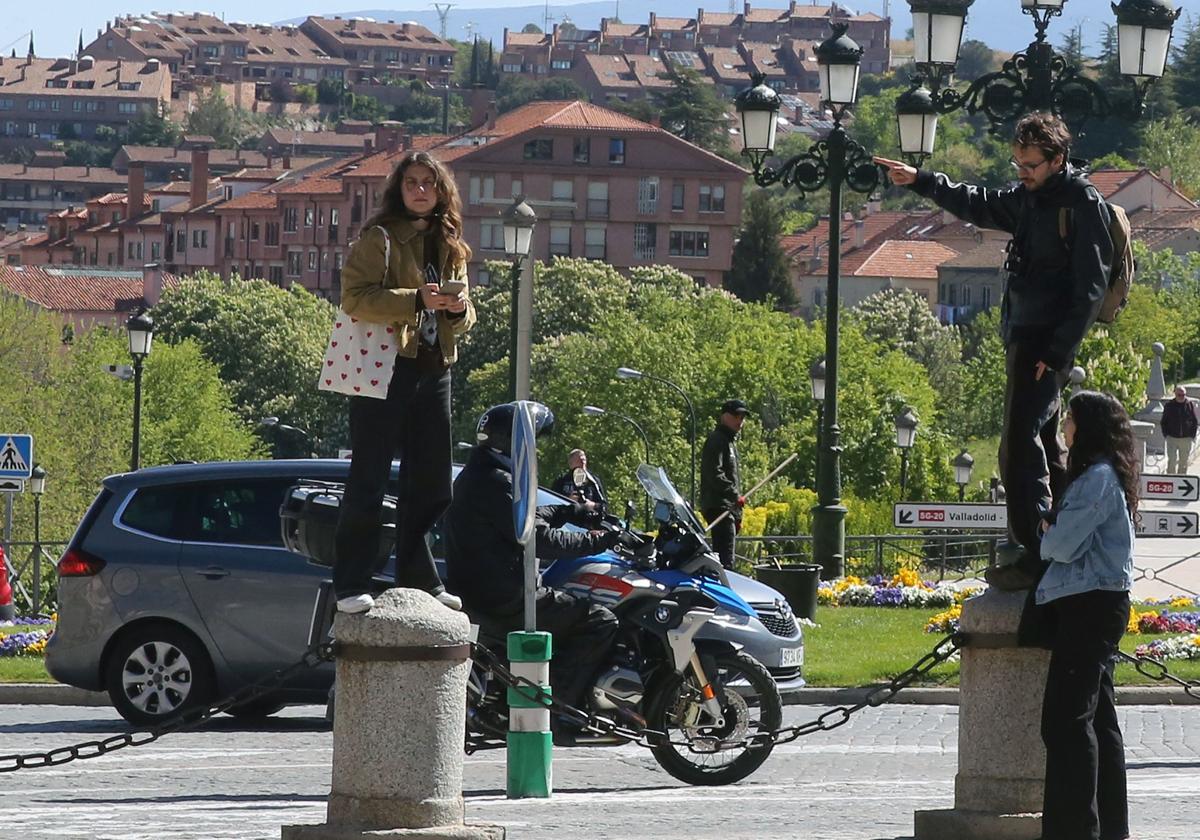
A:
[519,220]
[141,333]
[906,436]
[834,162]
[964,464]
[1036,79]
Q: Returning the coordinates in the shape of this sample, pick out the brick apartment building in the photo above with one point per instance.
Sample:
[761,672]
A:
[60,98]
[352,50]
[29,193]
[777,42]
[605,186]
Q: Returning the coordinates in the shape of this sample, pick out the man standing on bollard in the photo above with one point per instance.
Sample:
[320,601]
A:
[1058,268]
[1179,423]
[720,484]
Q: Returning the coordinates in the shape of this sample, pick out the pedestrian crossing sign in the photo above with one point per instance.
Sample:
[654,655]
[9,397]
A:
[16,456]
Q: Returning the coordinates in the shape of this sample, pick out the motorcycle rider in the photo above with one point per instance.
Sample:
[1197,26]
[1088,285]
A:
[485,561]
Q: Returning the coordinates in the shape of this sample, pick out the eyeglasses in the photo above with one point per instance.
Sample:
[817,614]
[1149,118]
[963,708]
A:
[1026,168]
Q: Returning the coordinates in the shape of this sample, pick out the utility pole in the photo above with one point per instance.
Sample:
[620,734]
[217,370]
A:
[443,10]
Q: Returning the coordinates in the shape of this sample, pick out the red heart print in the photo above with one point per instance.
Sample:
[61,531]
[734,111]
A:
[363,351]
[347,357]
[353,320]
[329,363]
[345,376]
[369,333]
[379,364]
[338,325]
[383,346]
[391,330]
[374,381]
[328,381]
[358,370]
[357,388]
[333,344]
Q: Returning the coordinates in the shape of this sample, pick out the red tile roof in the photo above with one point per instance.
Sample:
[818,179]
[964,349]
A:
[1108,181]
[801,244]
[75,289]
[257,200]
[912,259]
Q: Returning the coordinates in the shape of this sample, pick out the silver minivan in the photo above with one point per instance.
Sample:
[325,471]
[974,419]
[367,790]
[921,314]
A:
[176,589]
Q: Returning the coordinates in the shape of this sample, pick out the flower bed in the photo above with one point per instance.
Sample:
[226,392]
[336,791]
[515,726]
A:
[1179,647]
[1180,616]
[903,589]
[26,642]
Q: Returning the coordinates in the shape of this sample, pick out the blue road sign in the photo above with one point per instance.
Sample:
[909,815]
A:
[525,481]
[16,456]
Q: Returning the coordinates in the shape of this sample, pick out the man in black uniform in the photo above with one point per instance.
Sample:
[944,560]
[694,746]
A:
[1059,261]
[578,484]
[485,561]
[720,486]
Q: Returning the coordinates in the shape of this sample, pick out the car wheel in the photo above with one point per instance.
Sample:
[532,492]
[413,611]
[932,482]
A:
[158,671]
[256,709]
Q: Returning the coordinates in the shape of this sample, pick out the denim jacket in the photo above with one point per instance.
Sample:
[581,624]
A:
[1090,544]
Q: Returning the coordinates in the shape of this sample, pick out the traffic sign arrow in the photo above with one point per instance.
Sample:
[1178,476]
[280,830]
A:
[1183,525]
[906,517]
[1187,487]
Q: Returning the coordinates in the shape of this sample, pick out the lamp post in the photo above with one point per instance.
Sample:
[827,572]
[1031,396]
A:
[519,220]
[816,379]
[835,162]
[1037,79]
[141,333]
[963,465]
[37,485]
[597,411]
[906,436]
[631,373]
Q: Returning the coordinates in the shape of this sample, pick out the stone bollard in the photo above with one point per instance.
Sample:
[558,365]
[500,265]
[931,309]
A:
[1142,432]
[1001,759]
[399,724]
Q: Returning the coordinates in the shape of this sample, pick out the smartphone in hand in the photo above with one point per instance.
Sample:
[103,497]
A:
[452,287]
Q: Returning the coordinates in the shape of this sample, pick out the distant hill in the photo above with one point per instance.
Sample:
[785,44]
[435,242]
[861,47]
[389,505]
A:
[998,23]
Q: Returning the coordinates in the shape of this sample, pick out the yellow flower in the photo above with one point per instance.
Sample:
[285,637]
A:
[1182,603]
[1134,618]
[906,577]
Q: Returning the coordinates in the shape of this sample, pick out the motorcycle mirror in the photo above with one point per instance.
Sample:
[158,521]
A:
[630,511]
[579,477]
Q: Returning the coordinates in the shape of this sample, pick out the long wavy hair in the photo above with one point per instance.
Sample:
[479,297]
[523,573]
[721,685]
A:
[1102,431]
[447,215]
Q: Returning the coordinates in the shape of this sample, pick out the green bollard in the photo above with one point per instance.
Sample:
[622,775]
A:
[529,739]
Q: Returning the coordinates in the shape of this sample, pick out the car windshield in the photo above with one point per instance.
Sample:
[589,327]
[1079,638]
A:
[662,491]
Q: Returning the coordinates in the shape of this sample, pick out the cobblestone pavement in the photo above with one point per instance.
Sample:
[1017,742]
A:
[863,781]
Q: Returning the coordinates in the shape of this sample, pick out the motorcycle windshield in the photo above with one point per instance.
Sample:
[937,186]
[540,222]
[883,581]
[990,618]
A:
[660,489]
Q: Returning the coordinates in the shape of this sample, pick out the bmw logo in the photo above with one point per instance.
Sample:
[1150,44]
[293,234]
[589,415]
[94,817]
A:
[662,615]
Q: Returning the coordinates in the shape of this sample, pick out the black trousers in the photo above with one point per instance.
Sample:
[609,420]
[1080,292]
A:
[1085,794]
[722,535]
[413,424]
[583,635]
[1033,456]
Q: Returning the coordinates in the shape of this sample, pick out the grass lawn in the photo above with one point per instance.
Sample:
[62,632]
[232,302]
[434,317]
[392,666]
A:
[23,669]
[986,453]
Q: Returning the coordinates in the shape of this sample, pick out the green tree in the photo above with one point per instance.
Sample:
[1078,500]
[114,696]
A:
[531,29]
[515,91]
[267,344]
[692,111]
[1185,67]
[214,116]
[332,91]
[152,128]
[1071,45]
[759,269]
[975,58]
[1174,143]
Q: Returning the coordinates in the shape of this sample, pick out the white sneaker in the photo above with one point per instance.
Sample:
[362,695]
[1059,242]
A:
[448,600]
[355,604]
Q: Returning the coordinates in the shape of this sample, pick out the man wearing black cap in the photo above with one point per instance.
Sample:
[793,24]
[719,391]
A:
[720,488]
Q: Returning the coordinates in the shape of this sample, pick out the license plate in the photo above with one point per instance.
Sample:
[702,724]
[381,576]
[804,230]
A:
[791,657]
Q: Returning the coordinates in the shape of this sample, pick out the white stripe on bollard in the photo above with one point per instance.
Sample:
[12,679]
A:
[528,720]
[537,672]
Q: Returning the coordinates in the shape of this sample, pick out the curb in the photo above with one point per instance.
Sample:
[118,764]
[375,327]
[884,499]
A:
[55,694]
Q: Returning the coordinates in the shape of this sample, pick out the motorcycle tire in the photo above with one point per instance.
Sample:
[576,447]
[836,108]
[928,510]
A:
[664,706]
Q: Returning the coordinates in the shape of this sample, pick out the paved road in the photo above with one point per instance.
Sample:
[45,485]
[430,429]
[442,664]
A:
[860,782]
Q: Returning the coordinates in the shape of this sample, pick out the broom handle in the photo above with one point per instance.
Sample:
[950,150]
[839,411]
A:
[771,475]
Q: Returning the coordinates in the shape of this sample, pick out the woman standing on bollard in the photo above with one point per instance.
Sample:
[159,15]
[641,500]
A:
[396,275]
[1084,599]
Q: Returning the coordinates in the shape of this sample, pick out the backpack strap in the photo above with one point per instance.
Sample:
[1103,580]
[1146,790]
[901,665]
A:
[387,247]
[1064,223]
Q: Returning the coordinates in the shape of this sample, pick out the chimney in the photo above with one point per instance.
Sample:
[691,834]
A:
[814,262]
[152,282]
[406,142]
[199,175]
[388,135]
[137,188]
[270,159]
[287,161]
[860,233]
[874,206]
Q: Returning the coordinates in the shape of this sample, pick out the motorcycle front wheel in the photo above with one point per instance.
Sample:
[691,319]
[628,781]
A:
[699,754]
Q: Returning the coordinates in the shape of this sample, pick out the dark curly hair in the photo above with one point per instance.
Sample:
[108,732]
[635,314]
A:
[1043,131]
[1102,431]
[447,215]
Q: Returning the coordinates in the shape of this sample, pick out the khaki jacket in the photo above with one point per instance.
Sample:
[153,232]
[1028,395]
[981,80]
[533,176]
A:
[391,297]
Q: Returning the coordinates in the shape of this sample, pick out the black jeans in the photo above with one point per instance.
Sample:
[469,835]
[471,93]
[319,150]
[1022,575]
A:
[413,424]
[583,635]
[1033,457]
[1085,794]
[722,536]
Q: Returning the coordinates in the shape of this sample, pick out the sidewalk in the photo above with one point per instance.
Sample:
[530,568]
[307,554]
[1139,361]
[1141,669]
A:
[1164,567]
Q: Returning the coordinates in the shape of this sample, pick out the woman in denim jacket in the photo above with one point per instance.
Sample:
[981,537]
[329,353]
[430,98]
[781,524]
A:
[1088,542]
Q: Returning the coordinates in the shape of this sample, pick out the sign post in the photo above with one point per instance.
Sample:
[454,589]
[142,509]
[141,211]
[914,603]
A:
[16,465]
[529,738]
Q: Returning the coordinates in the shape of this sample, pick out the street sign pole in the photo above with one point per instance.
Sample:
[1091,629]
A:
[529,767]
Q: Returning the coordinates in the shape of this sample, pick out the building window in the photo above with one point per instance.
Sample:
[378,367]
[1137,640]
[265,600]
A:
[712,198]
[966,295]
[952,294]
[677,196]
[289,219]
[275,272]
[200,239]
[560,64]
[583,149]
[616,150]
[645,238]
[597,199]
[539,150]
[483,278]
[181,240]
[985,297]
[308,217]
[312,260]
[293,263]
[491,235]
[648,195]
[560,240]
[688,243]
[155,251]
[563,191]
[595,240]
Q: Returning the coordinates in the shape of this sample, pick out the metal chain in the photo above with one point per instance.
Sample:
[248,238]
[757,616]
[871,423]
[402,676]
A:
[313,657]
[1156,670]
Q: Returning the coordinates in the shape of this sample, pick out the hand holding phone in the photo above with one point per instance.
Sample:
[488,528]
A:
[452,287]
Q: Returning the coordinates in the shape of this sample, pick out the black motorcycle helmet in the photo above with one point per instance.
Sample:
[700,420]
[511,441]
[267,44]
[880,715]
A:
[495,426]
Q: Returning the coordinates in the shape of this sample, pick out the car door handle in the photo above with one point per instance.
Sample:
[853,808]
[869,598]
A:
[213,572]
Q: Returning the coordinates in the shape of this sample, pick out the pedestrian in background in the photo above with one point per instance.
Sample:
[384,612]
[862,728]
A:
[1180,419]
[578,484]
[1088,541]
[420,215]
[720,482]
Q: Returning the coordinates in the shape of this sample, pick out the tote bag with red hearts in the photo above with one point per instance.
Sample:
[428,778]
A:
[361,354]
